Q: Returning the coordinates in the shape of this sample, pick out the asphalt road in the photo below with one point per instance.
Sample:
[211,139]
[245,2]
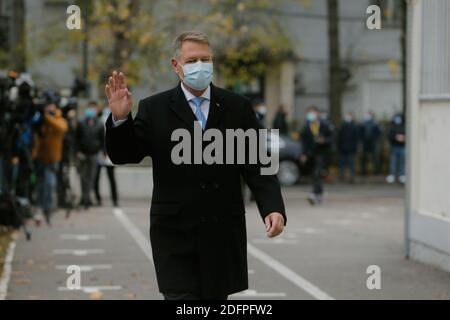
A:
[324,252]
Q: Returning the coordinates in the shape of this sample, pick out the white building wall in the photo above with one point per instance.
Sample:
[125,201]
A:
[428,202]
[372,56]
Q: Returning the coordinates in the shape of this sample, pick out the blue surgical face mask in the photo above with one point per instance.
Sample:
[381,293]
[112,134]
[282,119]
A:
[311,116]
[198,75]
[90,113]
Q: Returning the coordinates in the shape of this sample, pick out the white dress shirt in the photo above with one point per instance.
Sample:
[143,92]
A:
[189,96]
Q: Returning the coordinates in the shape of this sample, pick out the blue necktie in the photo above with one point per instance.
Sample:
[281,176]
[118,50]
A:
[198,111]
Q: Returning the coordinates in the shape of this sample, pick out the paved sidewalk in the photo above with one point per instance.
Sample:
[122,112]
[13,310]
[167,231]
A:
[323,254]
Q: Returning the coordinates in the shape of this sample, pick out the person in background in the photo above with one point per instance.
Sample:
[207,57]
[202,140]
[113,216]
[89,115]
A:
[261,112]
[48,154]
[68,154]
[316,137]
[347,144]
[369,136]
[330,149]
[104,161]
[280,121]
[397,139]
[90,136]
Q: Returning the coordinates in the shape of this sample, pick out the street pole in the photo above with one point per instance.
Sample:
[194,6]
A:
[335,88]
[85,49]
[404,22]
[18,41]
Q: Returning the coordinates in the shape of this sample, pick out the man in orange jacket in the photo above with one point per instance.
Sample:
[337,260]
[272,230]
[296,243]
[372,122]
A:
[48,155]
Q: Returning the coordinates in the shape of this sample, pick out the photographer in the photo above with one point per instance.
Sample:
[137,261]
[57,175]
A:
[66,197]
[49,152]
[90,133]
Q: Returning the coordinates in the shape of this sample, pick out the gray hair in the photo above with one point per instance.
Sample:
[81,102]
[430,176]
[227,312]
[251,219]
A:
[196,36]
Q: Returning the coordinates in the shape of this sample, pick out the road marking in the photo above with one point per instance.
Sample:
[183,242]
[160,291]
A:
[311,231]
[135,233]
[78,252]
[82,237]
[275,241]
[253,293]
[287,273]
[87,268]
[92,289]
[339,222]
[251,271]
[4,280]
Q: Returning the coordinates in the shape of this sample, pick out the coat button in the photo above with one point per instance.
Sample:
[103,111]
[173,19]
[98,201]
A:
[203,186]
[215,186]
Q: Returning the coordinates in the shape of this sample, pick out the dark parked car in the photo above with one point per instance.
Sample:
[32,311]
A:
[290,169]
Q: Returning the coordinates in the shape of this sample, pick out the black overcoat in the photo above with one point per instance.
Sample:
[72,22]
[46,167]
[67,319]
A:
[197,215]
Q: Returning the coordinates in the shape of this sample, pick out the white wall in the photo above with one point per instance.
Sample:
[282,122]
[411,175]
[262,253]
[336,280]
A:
[427,224]
[434,169]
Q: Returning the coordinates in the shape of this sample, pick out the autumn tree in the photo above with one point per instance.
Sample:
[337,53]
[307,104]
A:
[248,41]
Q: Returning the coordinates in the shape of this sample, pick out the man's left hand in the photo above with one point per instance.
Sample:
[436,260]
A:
[274,224]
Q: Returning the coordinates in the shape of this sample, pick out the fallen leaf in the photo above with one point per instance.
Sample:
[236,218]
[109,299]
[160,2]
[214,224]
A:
[22,281]
[97,295]
[129,295]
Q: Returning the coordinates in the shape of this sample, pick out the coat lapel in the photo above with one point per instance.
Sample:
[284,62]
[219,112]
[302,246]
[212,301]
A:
[181,107]
[216,108]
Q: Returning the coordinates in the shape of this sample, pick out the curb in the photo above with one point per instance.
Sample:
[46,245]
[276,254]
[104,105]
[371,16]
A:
[4,280]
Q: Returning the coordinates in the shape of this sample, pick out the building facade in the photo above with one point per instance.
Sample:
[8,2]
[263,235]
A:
[371,59]
[428,204]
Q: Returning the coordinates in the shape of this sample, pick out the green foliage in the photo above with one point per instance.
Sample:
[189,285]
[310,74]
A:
[135,35]
[248,40]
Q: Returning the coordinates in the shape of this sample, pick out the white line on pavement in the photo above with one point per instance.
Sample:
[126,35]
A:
[82,237]
[91,289]
[86,268]
[275,241]
[289,274]
[4,280]
[253,293]
[135,233]
[78,252]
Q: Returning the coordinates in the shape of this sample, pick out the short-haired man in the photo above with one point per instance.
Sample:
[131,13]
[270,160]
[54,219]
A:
[197,217]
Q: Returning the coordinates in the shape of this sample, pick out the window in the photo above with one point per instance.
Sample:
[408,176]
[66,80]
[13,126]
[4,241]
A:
[435,49]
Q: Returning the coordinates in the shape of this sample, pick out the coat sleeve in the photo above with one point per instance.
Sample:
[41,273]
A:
[305,141]
[129,142]
[59,124]
[266,188]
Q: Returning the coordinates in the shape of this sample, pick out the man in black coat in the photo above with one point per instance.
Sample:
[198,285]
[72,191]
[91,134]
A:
[347,143]
[369,134]
[316,137]
[197,216]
